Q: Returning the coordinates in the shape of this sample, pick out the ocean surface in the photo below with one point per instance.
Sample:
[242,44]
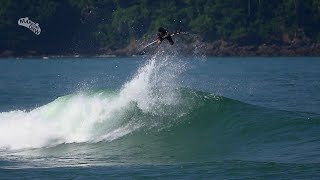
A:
[163,116]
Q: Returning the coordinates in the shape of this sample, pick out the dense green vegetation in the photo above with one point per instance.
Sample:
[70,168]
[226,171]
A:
[88,25]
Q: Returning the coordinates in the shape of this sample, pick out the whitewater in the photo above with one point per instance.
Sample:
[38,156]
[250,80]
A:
[95,116]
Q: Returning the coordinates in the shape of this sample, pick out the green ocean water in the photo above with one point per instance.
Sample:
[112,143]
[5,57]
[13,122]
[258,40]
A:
[163,116]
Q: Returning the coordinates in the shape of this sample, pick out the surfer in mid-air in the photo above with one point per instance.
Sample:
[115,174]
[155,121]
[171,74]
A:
[162,35]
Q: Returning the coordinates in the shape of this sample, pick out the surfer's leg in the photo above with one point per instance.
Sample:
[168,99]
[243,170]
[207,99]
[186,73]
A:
[170,40]
[159,40]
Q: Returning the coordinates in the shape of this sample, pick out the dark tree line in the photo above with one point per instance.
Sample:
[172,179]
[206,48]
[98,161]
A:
[88,25]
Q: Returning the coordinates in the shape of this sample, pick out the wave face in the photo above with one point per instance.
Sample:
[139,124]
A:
[151,119]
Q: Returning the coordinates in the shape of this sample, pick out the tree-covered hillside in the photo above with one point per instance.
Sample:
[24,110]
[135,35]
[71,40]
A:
[89,25]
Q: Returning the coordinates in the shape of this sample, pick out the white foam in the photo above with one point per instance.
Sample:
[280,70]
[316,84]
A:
[78,118]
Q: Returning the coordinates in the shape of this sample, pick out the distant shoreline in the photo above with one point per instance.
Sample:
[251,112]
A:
[292,49]
[217,48]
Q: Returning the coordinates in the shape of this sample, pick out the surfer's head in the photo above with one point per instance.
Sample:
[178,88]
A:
[162,30]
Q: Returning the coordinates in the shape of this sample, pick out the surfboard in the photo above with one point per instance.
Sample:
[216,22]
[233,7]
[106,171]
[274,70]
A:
[173,34]
[149,44]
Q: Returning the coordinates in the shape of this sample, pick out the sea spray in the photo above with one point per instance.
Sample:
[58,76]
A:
[155,83]
[85,117]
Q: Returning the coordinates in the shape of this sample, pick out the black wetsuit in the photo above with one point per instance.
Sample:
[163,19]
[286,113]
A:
[163,34]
